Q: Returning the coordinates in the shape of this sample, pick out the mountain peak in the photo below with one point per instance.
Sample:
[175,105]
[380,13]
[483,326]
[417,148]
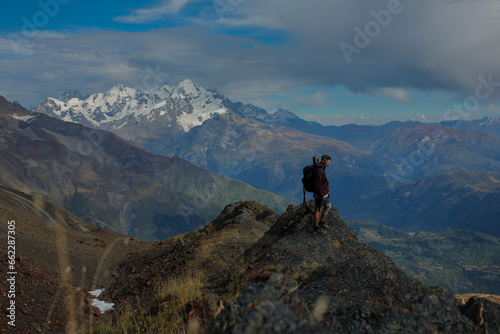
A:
[336,250]
[71,94]
[122,90]
[285,114]
[491,119]
[163,91]
[188,87]
[186,82]
[280,116]
[12,108]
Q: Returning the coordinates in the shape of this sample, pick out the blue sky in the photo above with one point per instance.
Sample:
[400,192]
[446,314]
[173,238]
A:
[332,61]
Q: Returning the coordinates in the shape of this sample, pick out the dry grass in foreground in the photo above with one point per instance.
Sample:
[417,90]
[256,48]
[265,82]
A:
[172,298]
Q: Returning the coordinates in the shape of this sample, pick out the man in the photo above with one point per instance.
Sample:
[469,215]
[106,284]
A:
[322,192]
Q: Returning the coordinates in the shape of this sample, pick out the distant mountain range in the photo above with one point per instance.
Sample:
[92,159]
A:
[372,165]
[110,182]
[179,108]
[445,202]
[419,150]
[233,139]
[209,130]
[268,150]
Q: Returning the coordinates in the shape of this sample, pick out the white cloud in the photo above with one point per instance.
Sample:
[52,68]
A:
[432,45]
[429,44]
[15,45]
[418,117]
[151,14]
[493,108]
[396,94]
[323,119]
[314,100]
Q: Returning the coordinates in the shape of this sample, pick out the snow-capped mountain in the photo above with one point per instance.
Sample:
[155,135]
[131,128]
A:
[183,107]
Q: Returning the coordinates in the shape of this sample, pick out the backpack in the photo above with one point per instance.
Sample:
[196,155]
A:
[308,180]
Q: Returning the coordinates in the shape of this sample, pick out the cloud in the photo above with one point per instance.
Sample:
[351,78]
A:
[396,94]
[337,119]
[151,14]
[254,48]
[427,45]
[417,117]
[493,108]
[96,61]
[314,100]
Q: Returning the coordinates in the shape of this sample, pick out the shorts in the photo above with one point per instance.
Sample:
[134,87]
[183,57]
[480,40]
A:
[322,202]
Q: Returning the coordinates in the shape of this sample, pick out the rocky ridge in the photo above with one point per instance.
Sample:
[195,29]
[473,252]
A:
[329,282]
[260,273]
[291,279]
[212,251]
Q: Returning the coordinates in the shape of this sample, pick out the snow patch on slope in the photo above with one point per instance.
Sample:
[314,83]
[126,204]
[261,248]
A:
[101,305]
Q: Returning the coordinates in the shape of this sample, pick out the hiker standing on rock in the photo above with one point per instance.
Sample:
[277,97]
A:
[321,192]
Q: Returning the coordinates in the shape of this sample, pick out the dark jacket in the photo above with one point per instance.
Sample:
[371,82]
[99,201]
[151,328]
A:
[321,183]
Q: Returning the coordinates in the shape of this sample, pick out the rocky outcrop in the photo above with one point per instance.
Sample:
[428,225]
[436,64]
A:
[269,273]
[276,307]
[330,263]
[297,280]
[211,252]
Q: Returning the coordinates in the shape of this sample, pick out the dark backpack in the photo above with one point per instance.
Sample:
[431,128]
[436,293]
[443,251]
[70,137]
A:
[308,179]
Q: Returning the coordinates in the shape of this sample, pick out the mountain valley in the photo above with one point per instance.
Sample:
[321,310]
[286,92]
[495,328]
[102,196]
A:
[459,260]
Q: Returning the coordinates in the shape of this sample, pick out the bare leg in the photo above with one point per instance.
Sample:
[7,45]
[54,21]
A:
[327,209]
[316,215]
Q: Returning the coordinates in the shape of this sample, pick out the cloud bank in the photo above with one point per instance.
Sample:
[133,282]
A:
[253,48]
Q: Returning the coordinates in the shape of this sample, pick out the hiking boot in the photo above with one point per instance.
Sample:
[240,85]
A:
[315,228]
[323,224]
